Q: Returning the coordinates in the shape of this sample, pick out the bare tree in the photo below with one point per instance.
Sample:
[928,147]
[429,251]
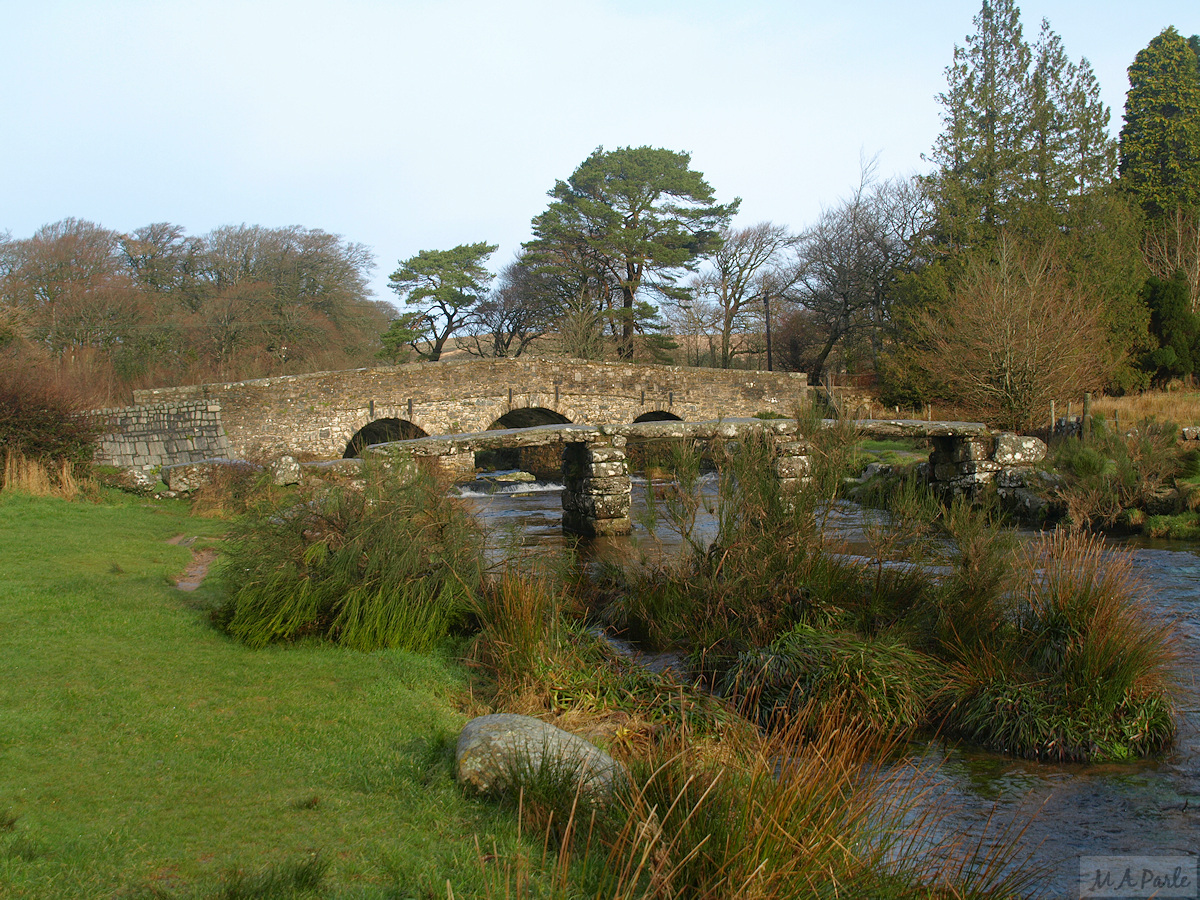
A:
[753,267]
[69,282]
[524,305]
[1172,244]
[1015,335]
[849,259]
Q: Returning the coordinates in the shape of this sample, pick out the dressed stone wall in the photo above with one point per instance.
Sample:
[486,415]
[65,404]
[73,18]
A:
[149,437]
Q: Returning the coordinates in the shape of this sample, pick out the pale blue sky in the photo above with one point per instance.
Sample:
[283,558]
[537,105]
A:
[421,125]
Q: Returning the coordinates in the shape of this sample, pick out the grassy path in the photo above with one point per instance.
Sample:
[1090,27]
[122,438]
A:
[144,753]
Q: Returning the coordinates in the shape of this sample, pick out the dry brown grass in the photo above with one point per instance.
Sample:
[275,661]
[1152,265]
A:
[1180,406]
[28,476]
[767,816]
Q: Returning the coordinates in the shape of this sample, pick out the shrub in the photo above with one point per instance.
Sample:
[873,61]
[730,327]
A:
[394,563]
[41,420]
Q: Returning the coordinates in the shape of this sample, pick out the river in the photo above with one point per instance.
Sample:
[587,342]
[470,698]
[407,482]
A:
[1148,808]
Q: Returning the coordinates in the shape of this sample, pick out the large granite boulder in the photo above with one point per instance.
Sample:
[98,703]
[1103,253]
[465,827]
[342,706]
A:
[496,751]
[191,476]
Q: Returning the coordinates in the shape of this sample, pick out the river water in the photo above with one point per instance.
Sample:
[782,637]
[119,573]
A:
[1061,811]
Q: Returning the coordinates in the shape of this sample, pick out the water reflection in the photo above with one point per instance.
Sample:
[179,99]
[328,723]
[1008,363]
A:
[1145,808]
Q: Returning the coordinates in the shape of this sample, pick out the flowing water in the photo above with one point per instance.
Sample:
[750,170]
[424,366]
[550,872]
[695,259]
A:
[1148,808]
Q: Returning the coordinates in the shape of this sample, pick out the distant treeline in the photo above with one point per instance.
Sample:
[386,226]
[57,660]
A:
[160,306]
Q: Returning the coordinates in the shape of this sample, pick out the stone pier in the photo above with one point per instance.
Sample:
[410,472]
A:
[596,489]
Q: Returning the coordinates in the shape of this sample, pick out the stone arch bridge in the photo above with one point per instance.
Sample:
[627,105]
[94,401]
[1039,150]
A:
[326,415]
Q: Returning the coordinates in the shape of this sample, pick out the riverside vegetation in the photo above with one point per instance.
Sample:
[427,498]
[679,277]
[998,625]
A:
[358,626]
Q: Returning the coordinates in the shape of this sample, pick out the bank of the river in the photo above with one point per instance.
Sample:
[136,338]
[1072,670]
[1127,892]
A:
[1061,811]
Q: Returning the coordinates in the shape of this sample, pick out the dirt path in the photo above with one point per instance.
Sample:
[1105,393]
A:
[193,576]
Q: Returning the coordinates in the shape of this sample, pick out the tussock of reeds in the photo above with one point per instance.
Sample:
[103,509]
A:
[1076,669]
[390,564]
[789,815]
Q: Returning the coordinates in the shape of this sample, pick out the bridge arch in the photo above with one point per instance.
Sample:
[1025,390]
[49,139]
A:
[529,417]
[381,431]
[543,461]
[657,415]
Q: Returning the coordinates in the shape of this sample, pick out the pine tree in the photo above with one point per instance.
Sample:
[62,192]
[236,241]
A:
[1025,133]
[985,118]
[1160,142]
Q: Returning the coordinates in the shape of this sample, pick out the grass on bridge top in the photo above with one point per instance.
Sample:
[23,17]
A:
[145,754]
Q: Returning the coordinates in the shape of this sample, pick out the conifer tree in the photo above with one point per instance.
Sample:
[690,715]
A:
[1160,142]
[1025,133]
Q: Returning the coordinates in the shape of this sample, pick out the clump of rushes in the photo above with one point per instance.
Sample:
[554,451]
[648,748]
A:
[880,683]
[788,815]
[1078,670]
[394,562]
[542,662]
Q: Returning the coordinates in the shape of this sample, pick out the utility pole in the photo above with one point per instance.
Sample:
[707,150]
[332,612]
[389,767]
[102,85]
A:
[767,305]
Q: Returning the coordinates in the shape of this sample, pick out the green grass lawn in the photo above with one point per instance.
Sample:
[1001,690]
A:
[143,753]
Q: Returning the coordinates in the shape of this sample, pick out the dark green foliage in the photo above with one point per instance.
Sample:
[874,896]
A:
[627,219]
[1025,133]
[39,419]
[1175,327]
[1181,527]
[394,563]
[1114,472]
[1160,141]
[880,683]
[444,286]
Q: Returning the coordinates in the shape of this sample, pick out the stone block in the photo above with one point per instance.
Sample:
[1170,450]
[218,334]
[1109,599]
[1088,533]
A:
[286,470]
[945,471]
[607,469]
[970,451]
[792,466]
[791,485]
[601,506]
[976,467]
[794,448]
[1012,477]
[1023,504]
[596,453]
[614,484]
[577,523]
[1015,450]
[186,477]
